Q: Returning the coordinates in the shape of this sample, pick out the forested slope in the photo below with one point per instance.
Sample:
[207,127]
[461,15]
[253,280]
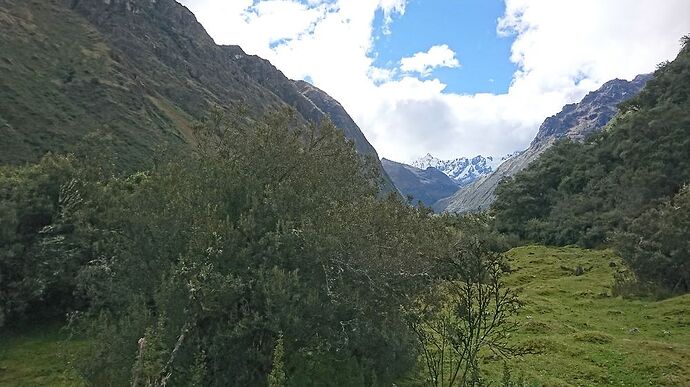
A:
[581,192]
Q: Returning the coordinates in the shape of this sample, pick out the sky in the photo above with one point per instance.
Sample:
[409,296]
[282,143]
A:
[452,77]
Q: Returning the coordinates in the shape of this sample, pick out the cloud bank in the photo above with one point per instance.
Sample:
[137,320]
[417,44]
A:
[562,50]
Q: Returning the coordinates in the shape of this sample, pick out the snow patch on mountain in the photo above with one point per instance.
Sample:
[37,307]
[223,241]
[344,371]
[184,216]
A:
[463,170]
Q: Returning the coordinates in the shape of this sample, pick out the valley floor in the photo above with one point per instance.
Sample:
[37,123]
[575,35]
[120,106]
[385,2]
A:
[583,335]
[39,357]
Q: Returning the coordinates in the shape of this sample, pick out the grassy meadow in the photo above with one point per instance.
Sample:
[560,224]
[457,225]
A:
[39,357]
[583,335]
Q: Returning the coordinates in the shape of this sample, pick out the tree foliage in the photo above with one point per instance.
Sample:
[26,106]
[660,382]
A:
[267,256]
[33,281]
[269,227]
[656,244]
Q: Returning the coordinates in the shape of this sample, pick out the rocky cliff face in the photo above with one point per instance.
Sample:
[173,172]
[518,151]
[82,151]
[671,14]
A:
[140,70]
[425,185]
[575,121]
[578,120]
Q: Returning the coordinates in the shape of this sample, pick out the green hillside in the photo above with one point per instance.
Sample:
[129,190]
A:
[67,81]
[583,192]
[143,72]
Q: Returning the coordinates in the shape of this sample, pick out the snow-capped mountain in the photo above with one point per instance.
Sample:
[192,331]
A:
[462,170]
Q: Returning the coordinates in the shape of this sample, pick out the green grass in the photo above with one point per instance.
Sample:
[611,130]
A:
[585,336]
[39,357]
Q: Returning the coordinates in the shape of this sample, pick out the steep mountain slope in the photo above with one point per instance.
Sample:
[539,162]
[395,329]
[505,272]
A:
[462,170]
[584,192]
[140,70]
[575,122]
[425,185]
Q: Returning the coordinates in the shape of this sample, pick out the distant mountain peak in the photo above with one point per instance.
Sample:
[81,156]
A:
[462,170]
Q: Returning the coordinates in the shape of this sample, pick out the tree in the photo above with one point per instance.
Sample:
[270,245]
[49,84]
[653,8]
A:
[33,281]
[655,245]
[268,228]
[475,315]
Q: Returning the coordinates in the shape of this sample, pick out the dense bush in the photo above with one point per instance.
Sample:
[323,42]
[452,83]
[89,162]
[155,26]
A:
[197,266]
[33,281]
[656,245]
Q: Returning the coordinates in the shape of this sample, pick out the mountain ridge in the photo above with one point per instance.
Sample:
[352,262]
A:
[462,170]
[575,122]
[420,185]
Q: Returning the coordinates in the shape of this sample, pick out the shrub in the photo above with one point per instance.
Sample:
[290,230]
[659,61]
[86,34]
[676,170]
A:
[655,245]
[33,280]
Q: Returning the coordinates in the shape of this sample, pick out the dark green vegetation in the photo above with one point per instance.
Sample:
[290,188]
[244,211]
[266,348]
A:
[29,272]
[586,193]
[206,277]
[657,243]
[201,269]
[141,71]
[580,333]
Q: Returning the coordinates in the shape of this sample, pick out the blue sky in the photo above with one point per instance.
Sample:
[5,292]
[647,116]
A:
[415,74]
[468,27]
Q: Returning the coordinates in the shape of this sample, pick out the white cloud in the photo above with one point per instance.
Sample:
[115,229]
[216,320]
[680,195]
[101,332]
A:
[425,62]
[559,43]
[562,50]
